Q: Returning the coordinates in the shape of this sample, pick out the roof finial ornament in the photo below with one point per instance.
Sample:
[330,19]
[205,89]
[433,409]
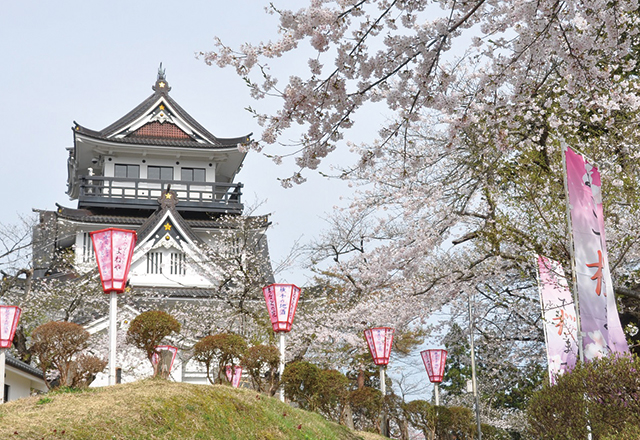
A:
[161,73]
[161,85]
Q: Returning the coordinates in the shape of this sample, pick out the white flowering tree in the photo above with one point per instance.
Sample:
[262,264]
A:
[463,184]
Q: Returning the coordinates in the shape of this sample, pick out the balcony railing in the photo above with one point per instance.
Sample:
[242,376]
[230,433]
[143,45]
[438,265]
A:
[118,192]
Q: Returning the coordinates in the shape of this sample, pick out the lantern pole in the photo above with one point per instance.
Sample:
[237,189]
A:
[113,333]
[282,363]
[383,382]
[3,358]
[113,249]
[379,340]
[434,362]
[282,301]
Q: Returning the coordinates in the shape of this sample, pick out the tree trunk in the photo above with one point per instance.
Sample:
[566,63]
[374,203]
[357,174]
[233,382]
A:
[347,416]
[360,379]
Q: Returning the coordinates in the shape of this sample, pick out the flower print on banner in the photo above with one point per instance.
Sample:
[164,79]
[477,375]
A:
[559,315]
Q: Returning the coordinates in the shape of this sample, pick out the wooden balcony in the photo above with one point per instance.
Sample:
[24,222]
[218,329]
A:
[116,192]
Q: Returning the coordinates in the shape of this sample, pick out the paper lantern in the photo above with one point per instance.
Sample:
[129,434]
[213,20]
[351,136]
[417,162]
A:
[9,316]
[282,300]
[379,340]
[234,374]
[434,361]
[155,358]
[114,250]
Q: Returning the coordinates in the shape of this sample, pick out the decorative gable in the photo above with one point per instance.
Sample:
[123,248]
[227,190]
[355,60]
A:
[168,252]
[160,130]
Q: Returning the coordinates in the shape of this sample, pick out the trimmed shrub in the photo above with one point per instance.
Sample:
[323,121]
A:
[261,364]
[58,344]
[332,394]
[148,330]
[300,381]
[366,404]
[217,351]
[602,395]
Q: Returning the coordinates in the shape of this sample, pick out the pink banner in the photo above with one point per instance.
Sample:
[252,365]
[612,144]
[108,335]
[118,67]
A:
[617,340]
[234,374]
[559,315]
[592,270]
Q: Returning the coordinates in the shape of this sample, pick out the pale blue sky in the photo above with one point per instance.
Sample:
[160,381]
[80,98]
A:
[92,62]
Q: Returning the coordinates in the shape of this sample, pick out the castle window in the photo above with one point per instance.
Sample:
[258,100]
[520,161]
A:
[154,262]
[178,264]
[160,173]
[87,255]
[193,174]
[127,171]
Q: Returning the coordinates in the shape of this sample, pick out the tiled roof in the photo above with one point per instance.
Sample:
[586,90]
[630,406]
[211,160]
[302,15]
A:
[145,106]
[16,363]
[176,292]
[151,224]
[87,216]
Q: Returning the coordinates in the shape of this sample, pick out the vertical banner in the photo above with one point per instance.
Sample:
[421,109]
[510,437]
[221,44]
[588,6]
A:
[617,340]
[559,315]
[593,280]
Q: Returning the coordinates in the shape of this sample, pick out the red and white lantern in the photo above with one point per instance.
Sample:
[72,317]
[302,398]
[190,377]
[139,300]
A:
[114,250]
[234,374]
[379,340]
[434,361]
[9,316]
[282,301]
[155,358]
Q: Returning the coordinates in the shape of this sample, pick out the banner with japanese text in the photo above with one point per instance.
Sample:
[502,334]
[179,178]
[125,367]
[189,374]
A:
[559,315]
[601,329]
[617,340]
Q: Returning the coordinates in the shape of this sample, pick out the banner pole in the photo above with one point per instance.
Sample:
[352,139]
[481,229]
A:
[574,278]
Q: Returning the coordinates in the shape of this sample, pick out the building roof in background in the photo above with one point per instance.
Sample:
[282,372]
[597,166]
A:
[160,120]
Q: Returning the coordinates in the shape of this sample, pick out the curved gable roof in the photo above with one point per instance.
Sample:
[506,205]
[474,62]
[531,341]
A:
[159,119]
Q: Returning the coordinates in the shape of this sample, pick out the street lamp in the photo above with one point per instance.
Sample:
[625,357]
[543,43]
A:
[114,250]
[379,340]
[282,301]
[434,361]
[158,358]
[9,316]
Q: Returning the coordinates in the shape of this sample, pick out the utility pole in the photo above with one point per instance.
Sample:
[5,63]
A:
[473,370]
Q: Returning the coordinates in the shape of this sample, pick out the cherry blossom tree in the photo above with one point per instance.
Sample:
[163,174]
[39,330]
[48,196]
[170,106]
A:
[464,183]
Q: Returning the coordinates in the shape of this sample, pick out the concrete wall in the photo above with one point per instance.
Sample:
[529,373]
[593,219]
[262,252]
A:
[21,383]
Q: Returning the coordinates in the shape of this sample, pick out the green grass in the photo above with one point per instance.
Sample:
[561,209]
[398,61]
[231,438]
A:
[157,409]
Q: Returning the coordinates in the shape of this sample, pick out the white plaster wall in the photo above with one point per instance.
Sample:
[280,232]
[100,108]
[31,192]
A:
[20,384]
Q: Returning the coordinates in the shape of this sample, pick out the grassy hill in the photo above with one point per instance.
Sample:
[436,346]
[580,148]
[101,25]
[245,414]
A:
[158,409]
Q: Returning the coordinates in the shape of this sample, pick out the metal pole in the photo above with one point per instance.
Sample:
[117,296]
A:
[572,252]
[473,371]
[383,390]
[437,393]
[113,311]
[3,358]
[282,362]
[574,274]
